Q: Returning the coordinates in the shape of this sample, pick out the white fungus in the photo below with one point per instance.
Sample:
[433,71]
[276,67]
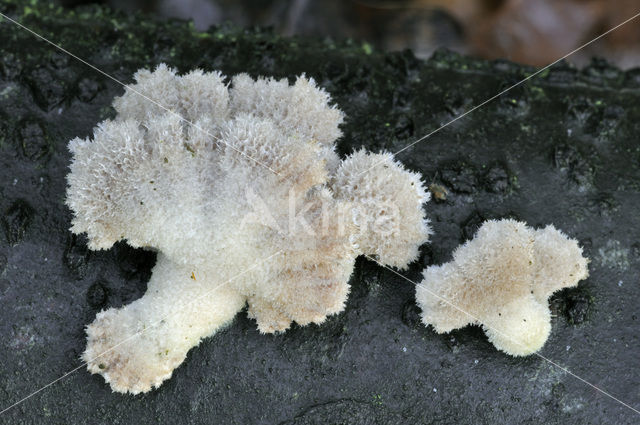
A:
[502,279]
[250,205]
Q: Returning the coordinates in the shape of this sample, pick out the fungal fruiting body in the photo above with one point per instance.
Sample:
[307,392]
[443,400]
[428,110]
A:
[243,196]
[502,279]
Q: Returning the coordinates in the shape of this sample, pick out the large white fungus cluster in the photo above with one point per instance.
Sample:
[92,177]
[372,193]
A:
[502,279]
[242,194]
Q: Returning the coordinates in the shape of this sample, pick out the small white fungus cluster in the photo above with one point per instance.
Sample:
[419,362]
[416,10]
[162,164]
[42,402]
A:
[246,202]
[389,203]
[502,279]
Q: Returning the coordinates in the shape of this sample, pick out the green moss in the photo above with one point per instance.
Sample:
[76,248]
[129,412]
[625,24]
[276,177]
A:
[377,91]
[377,400]
[544,73]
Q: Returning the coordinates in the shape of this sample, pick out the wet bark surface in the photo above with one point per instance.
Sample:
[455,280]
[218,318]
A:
[561,148]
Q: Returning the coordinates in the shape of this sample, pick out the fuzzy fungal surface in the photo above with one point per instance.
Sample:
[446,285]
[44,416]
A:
[561,149]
